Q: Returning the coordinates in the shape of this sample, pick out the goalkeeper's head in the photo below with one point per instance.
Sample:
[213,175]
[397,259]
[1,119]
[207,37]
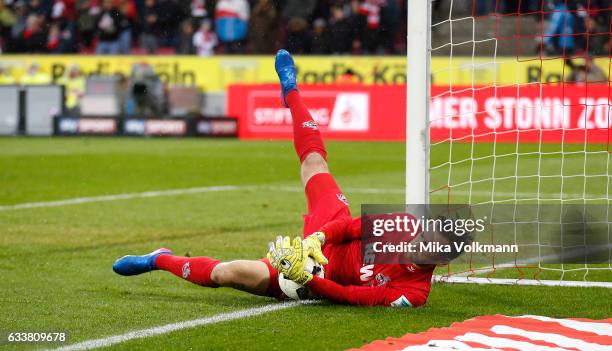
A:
[454,242]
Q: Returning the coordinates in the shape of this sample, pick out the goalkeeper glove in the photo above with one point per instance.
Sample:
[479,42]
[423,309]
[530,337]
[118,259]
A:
[289,258]
[312,246]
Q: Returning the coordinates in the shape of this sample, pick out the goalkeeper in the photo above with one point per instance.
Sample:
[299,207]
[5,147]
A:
[331,236]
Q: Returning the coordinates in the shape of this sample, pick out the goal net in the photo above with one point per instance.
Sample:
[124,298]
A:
[518,114]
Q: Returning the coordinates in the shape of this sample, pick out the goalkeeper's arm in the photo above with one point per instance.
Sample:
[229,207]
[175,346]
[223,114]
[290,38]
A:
[342,229]
[362,295]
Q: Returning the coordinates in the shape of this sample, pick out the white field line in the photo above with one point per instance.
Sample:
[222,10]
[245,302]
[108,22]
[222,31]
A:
[221,188]
[124,196]
[168,328]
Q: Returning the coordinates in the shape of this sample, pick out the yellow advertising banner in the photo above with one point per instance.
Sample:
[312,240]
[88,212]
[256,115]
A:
[214,74]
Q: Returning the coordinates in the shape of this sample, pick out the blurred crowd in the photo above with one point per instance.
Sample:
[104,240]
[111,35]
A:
[207,27]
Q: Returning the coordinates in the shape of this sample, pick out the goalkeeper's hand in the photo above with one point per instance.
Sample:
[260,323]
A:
[312,245]
[289,258]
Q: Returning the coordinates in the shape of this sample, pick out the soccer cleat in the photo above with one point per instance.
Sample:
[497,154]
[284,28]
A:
[285,68]
[133,265]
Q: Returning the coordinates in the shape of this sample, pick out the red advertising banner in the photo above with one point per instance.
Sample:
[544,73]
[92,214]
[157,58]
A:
[561,113]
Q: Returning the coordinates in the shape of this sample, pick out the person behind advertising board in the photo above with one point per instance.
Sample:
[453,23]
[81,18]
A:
[146,90]
[35,76]
[74,88]
[6,76]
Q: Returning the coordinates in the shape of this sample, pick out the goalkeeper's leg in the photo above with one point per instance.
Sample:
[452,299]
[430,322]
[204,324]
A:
[246,275]
[307,139]
[325,199]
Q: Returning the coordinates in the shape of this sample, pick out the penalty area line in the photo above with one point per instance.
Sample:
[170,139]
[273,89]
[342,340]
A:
[169,328]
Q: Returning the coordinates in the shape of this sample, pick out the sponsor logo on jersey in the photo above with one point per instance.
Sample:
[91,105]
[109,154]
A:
[342,198]
[382,279]
[401,302]
[310,124]
[367,272]
[186,270]
[410,268]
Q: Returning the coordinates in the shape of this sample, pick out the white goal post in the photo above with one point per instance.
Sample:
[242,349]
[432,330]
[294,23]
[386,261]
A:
[537,163]
[417,101]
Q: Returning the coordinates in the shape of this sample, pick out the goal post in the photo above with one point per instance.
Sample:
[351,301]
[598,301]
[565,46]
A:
[515,116]
[417,101]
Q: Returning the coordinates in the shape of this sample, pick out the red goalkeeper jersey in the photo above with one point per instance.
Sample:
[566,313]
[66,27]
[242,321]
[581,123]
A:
[349,280]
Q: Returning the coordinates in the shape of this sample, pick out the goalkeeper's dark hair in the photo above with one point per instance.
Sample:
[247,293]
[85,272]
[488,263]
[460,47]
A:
[452,237]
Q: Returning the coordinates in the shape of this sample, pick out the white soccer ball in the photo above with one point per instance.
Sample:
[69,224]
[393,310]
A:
[296,291]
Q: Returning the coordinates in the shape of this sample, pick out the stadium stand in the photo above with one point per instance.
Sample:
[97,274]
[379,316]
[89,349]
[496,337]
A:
[258,26]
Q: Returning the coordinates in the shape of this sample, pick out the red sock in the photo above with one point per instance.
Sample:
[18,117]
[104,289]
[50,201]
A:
[306,134]
[194,269]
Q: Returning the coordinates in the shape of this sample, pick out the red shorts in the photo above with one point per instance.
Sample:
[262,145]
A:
[325,203]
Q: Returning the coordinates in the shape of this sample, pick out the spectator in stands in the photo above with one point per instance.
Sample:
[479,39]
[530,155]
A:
[34,36]
[62,37]
[231,23]
[127,8]
[341,32]
[15,42]
[185,44]
[389,22]
[205,39]
[198,10]
[149,38]
[170,13]
[298,39]
[320,38]
[299,9]
[370,10]
[109,25]
[35,76]
[54,38]
[86,21]
[7,20]
[263,27]
[63,10]
[36,7]
[559,38]
[598,27]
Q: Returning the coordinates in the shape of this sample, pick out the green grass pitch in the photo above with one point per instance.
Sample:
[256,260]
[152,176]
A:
[55,262]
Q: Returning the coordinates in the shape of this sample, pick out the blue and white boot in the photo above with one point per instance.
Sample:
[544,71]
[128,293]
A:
[285,68]
[133,265]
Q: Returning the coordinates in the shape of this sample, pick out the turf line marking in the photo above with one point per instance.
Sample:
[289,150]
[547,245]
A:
[221,188]
[173,192]
[125,196]
[168,328]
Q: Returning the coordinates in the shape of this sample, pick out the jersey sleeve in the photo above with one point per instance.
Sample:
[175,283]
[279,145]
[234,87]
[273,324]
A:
[361,295]
[342,229]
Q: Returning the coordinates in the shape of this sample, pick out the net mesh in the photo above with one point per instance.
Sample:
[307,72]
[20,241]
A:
[520,113]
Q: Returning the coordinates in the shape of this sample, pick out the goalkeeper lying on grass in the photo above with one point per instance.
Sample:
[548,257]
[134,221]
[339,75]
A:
[331,237]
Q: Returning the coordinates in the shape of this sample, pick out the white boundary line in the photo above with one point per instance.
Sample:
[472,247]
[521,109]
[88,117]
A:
[125,196]
[168,328]
[175,192]
[206,189]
